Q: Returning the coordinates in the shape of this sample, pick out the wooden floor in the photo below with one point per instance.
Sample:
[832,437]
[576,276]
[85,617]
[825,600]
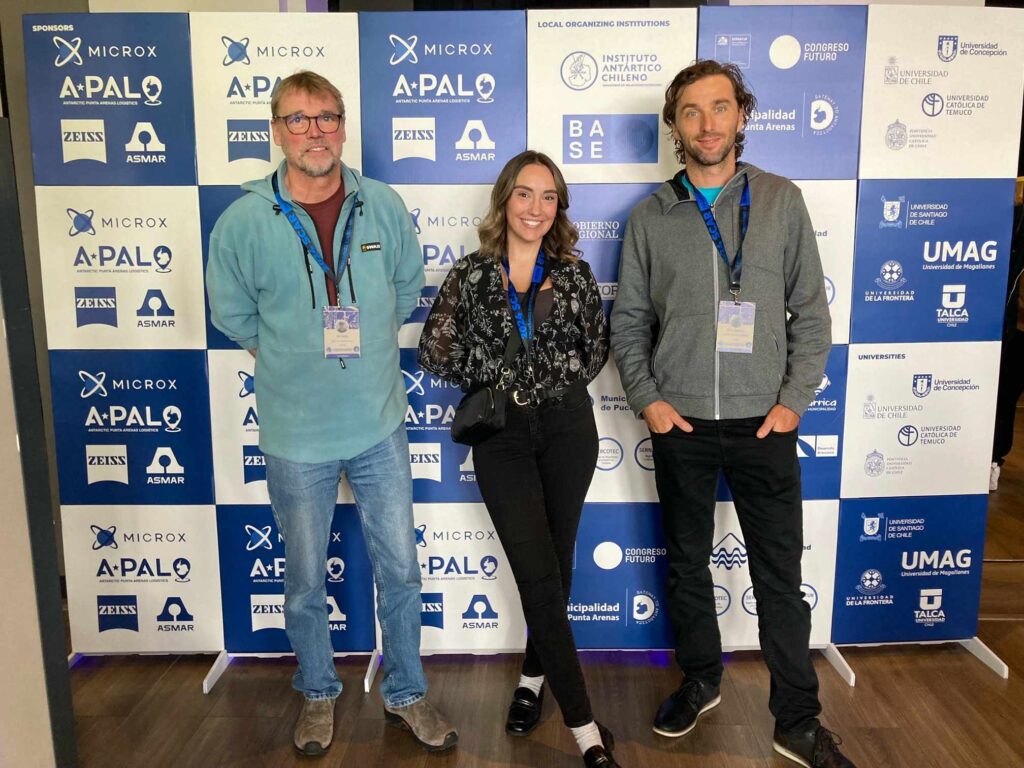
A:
[913,706]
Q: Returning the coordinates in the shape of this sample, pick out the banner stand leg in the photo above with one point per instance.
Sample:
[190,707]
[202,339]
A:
[371,670]
[73,659]
[220,664]
[836,659]
[986,656]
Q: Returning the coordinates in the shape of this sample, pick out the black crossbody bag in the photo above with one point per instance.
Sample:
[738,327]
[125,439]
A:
[481,414]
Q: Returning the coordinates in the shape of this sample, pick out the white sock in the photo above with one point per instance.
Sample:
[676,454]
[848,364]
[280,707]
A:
[587,736]
[533,683]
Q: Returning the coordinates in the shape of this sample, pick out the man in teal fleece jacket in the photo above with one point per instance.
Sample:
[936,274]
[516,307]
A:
[721,332]
[314,271]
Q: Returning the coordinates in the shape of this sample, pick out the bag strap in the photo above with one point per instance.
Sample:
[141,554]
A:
[511,348]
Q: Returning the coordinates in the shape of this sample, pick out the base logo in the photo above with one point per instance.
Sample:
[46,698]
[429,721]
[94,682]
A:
[117,612]
[267,612]
[610,138]
[929,608]
[254,464]
[645,607]
[432,610]
[106,464]
[479,614]
[174,617]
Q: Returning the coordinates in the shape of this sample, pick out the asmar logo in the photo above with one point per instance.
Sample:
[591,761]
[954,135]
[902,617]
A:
[730,552]
[432,611]
[117,612]
[67,51]
[235,51]
[479,614]
[610,138]
[947,47]
[267,612]
[144,146]
[106,464]
[475,143]
[425,461]
[248,139]
[155,311]
[579,71]
[254,464]
[164,468]
[413,137]
[174,616]
[83,140]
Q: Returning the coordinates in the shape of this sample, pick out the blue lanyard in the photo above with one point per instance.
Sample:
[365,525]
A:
[525,324]
[307,242]
[736,268]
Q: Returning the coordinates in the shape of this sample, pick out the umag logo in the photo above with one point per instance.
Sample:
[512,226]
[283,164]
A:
[413,137]
[67,51]
[432,611]
[95,305]
[479,614]
[105,537]
[579,70]
[870,582]
[81,222]
[267,612]
[117,612]
[254,464]
[425,461]
[106,464]
[248,139]
[922,384]
[83,140]
[174,617]
[947,47]
[235,51]
[729,553]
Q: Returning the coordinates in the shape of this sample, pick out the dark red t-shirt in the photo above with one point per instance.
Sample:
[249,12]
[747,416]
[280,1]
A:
[325,216]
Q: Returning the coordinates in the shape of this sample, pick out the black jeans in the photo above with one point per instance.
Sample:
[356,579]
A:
[1011,384]
[534,476]
[764,477]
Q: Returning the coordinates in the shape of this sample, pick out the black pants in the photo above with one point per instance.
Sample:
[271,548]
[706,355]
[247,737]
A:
[534,476]
[764,477]
[1011,384]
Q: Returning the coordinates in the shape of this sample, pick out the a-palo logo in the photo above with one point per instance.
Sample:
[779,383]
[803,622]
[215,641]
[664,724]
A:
[93,385]
[67,51]
[403,49]
[235,51]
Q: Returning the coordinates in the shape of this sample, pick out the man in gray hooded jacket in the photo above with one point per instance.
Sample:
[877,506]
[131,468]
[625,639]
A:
[721,331]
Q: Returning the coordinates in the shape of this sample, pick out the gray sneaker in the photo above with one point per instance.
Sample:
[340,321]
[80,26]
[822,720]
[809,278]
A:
[425,723]
[315,726]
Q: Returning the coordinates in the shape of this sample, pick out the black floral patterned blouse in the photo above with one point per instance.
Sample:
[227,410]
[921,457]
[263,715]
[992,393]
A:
[464,337]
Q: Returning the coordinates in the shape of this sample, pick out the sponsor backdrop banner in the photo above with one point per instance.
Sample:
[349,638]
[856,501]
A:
[806,68]
[597,85]
[144,125]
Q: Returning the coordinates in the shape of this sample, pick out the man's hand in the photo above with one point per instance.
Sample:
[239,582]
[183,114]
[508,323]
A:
[252,352]
[779,419]
[661,417]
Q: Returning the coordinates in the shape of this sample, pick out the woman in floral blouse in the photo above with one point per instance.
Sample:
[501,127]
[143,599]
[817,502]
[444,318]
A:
[534,474]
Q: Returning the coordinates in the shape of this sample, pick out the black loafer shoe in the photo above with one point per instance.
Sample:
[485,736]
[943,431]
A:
[812,746]
[678,714]
[524,712]
[601,757]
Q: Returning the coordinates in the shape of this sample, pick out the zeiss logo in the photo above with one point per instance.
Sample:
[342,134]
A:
[425,460]
[83,140]
[609,139]
[413,137]
[817,446]
[96,306]
[254,464]
[117,612]
[248,139]
[432,610]
[106,464]
[729,553]
[267,612]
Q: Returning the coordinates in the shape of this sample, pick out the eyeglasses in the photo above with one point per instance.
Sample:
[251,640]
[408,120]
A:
[327,122]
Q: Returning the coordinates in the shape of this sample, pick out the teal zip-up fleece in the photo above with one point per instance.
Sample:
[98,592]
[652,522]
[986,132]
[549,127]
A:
[671,280]
[267,296]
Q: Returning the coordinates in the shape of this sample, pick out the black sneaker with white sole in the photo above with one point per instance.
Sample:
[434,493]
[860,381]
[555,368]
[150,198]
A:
[812,746]
[678,714]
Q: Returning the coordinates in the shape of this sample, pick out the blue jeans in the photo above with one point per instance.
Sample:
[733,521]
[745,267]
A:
[303,498]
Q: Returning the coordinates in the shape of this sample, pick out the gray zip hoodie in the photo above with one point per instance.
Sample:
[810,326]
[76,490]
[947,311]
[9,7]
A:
[671,279]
